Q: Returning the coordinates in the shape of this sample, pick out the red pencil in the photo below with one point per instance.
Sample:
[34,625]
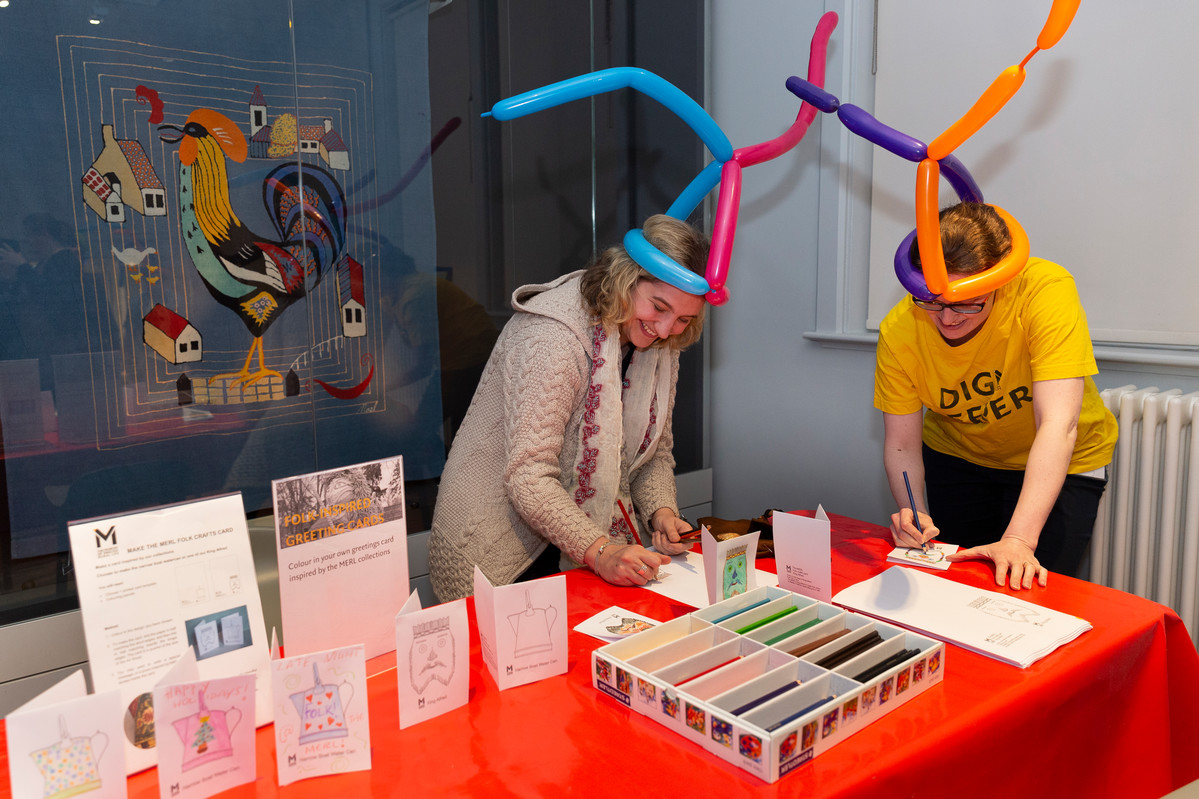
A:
[629,522]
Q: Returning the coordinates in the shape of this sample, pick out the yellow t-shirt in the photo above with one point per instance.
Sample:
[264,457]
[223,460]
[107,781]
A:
[980,392]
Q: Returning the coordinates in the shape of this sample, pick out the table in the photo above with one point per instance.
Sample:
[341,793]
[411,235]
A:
[1113,713]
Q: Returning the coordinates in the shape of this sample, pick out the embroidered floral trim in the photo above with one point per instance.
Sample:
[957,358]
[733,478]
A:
[587,462]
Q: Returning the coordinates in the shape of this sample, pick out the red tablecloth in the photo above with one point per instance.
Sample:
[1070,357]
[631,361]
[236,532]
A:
[1113,713]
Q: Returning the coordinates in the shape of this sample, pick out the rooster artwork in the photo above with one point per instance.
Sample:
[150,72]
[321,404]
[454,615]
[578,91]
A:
[256,276]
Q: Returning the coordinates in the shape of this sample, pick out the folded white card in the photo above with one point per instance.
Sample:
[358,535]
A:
[65,742]
[432,659]
[522,628]
[803,553]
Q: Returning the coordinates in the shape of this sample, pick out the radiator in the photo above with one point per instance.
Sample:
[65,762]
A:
[1146,539]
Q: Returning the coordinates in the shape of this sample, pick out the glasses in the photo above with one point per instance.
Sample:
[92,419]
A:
[957,307]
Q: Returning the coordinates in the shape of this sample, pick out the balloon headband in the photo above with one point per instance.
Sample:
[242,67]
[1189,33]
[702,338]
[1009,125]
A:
[933,281]
[724,170]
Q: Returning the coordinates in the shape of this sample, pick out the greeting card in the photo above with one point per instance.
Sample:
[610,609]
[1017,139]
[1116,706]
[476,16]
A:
[64,742]
[321,721]
[432,659]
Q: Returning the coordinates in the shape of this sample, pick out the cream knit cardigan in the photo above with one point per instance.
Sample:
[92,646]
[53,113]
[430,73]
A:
[502,495]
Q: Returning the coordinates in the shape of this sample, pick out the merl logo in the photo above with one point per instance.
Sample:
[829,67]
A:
[110,537]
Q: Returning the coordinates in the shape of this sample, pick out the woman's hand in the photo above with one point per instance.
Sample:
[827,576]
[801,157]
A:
[904,532]
[667,527]
[1015,562]
[626,564]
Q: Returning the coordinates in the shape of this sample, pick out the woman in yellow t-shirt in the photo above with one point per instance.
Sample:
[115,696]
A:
[989,407]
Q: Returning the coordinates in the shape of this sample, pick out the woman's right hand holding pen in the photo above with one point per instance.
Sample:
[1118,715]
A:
[623,564]
[905,533]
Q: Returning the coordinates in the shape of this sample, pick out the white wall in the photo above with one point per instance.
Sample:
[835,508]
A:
[792,419]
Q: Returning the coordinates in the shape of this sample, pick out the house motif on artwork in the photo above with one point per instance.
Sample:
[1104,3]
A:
[122,174]
[102,193]
[323,141]
[260,131]
[317,140]
[352,298]
[171,336]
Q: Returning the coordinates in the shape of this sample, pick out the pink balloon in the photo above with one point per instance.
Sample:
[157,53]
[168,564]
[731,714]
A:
[724,229]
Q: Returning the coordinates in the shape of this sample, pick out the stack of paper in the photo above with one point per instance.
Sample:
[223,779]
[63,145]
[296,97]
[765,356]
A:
[992,624]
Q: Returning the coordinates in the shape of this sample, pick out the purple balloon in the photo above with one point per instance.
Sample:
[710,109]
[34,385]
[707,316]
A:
[960,179]
[811,93]
[911,278]
[861,122]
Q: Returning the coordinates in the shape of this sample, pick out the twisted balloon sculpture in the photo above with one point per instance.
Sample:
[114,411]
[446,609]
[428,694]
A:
[724,170]
[937,157]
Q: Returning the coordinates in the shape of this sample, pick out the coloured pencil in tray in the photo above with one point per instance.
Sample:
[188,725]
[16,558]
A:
[765,680]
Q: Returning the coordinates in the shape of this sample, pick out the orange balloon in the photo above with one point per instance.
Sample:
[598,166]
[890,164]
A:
[928,226]
[976,285]
[994,98]
[1060,17]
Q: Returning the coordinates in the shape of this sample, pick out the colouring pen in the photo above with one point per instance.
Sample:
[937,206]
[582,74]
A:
[797,714]
[696,533]
[792,631]
[886,664]
[915,513]
[629,522]
[739,611]
[835,659]
[686,680]
[804,649]
[761,622]
[766,697]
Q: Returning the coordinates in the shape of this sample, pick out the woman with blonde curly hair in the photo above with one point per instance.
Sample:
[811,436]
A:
[571,420]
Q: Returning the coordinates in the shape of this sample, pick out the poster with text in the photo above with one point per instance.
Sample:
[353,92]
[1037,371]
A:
[342,544]
[157,582]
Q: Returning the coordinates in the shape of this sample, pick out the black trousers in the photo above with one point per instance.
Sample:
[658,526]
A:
[545,564]
[972,505]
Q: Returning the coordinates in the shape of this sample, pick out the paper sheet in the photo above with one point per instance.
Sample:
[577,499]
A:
[990,623]
[615,624]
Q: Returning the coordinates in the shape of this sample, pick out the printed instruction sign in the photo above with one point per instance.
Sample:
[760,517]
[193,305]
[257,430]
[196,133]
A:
[342,544]
[157,582]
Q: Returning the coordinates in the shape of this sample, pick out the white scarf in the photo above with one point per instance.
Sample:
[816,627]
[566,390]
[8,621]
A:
[615,424]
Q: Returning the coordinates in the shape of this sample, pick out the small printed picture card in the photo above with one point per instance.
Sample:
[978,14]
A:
[615,624]
[730,565]
[803,553]
[65,742]
[321,721]
[206,741]
[432,659]
[522,629]
[935,558]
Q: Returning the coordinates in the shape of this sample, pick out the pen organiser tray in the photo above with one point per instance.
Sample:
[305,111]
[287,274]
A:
[712,677]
